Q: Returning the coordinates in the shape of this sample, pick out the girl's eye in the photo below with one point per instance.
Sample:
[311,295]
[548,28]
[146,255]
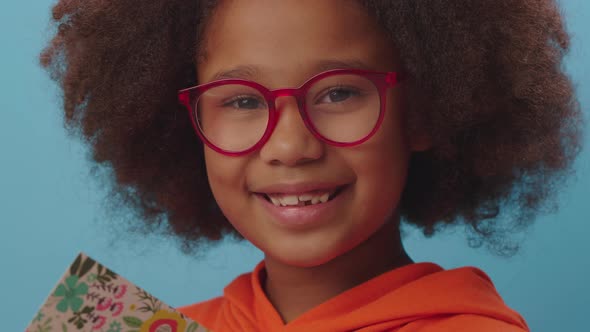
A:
[337,95]
[242,102]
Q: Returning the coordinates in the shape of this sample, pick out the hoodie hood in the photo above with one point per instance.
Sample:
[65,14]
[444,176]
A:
[412,295]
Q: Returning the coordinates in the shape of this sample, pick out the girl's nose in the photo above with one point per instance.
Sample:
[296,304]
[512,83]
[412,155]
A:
[291,143]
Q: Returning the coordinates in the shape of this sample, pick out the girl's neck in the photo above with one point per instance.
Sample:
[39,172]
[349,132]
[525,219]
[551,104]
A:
[294,290]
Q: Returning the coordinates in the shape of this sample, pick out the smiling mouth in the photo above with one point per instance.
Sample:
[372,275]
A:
[305,199]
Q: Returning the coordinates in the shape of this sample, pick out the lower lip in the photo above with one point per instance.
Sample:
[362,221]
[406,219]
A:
[302,217]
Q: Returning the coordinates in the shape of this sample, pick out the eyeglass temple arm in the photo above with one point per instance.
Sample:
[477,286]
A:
[183,98]
[394,77]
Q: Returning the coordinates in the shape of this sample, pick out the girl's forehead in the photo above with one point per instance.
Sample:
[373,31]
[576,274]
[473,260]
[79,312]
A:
[282,35]
[270,17]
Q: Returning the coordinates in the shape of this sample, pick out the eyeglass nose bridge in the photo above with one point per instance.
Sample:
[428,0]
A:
[297,93]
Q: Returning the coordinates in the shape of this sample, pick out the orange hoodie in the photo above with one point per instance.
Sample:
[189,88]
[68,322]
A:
[419,297]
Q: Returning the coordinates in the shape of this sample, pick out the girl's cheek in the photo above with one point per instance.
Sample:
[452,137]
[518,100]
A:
[222,168]
[227,178]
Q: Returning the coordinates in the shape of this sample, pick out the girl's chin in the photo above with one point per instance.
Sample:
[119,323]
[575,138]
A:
[298,257]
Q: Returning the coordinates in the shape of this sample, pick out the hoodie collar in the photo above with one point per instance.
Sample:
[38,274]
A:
[392,299]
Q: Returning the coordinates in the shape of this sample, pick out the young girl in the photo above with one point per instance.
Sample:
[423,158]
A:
[323,125]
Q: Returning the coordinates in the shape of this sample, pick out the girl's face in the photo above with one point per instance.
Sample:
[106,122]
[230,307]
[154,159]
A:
[282,44]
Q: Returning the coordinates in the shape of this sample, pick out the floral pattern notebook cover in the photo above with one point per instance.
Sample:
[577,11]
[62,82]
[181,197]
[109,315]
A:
[91,298]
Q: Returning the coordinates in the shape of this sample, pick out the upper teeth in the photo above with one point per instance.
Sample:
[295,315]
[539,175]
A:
[284,200]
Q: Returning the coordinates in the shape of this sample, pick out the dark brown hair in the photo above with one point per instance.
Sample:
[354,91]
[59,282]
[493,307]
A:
[485,81]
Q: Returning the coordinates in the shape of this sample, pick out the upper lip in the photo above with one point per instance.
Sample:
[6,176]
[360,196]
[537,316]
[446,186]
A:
[297,188]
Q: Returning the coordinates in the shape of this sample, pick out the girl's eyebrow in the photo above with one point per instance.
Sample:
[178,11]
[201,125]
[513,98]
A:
[353,63]
[247,72]
[251,72]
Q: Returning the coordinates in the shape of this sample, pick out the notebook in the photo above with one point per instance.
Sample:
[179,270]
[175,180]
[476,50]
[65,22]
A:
[91,298]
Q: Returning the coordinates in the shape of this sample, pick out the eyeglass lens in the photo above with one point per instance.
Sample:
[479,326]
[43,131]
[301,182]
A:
[343,108]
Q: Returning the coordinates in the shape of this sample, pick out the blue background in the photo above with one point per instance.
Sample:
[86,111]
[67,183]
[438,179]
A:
[50,208]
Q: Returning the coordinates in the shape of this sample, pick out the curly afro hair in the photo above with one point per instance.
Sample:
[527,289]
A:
[485,79]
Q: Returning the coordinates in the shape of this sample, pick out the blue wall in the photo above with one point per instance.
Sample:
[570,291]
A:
[50,208]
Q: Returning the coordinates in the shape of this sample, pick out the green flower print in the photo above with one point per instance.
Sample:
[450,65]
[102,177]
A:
[114,327]
[91,277]
[71,292]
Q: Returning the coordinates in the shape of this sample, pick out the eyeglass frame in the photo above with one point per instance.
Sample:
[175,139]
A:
[381,80]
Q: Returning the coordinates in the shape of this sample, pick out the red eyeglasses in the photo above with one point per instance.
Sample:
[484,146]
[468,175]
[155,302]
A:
[342,107]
